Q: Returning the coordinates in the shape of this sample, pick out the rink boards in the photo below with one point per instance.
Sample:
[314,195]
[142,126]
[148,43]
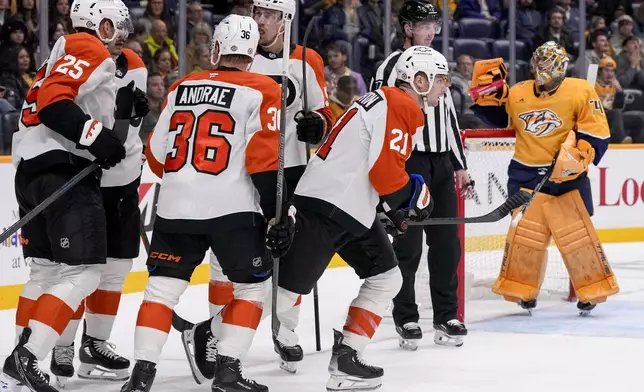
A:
[617,185]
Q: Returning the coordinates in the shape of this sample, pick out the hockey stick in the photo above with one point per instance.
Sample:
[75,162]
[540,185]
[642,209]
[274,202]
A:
[305,109]
[48,201]
[496,215]
[537,188]
[178,322]
[275,323]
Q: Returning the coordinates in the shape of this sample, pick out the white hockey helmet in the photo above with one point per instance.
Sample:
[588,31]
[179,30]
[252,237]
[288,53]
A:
[286,7]
[89,14]
[235,34]
[423,59]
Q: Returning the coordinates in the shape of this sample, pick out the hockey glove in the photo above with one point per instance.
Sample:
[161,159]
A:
[310,127]
[485,73]
[421,203]
[280,236]
[573,159]
[141,107]
[129,98]
[102,143]
[394,222]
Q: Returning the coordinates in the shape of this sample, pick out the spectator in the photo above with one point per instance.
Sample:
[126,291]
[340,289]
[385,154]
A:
[599,48]
[554,32]
[13,33]
[15,76]
[5,13]
[156,94]
[242,7]
[630,63]
[612,9]
[195,15]
[201,34]
[372,42]
[480,9]
[623,129]
[162,63]
[156,11]
[336,27]
[158,39]
[451,7]
[345,94]
[56,31]
[337,68]
[528,21]
[572,18]
[462,79]
[625,26]
[202,57]
[59,13]
[135,46]
[28,14]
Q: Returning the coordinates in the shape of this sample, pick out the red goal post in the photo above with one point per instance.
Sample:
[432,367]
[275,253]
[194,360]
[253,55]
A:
[488,152]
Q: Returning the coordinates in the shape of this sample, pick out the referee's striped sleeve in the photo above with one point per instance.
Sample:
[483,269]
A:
[385,74]
[454,135]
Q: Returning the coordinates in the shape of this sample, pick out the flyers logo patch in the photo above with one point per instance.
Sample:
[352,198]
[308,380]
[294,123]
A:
[540,122]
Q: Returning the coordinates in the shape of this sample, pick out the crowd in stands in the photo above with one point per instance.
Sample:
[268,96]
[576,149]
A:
[349,36]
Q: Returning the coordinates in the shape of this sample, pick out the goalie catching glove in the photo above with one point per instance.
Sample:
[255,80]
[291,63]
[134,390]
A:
[485,73]
[421,203]
[279,236]
[310,127]
[574,158]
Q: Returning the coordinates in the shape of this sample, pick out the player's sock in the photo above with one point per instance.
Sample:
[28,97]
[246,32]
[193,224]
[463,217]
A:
[62,356]
[155,316]
[287,343]
[42,273]
[220,289]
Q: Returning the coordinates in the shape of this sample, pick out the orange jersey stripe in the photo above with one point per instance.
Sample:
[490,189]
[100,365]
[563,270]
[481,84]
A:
[362,322]
[299,301]
[155,166]
[24,311]
[133,59]
[220,293]
[78,314]
[242,313]
[52,311]
[154,315]
[104,302]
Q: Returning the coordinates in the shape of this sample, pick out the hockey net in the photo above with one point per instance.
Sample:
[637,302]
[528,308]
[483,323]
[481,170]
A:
[488,153]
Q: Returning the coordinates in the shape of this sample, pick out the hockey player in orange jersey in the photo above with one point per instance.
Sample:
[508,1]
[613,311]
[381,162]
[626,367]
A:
[119,188]
[210,139]
[553,117]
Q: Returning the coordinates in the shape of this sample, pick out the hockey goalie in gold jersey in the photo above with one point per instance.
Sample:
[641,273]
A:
[552,116]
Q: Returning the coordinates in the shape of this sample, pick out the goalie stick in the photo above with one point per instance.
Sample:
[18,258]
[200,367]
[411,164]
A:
[496,215]
[305,109]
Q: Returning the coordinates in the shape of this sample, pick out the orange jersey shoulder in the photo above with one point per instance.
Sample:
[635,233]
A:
[133,59]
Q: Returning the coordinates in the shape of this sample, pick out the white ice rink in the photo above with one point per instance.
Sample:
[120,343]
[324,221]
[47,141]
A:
[506,350]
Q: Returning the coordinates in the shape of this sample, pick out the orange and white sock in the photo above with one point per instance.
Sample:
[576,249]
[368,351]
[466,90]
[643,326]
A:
[69,334]
[43,273]
[220,289]
[366,310]
[155,316]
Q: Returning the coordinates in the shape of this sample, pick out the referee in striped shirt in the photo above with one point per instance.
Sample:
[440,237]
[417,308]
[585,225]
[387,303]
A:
[438,157]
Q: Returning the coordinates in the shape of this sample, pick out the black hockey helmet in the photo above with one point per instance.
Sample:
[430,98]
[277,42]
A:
[416,11]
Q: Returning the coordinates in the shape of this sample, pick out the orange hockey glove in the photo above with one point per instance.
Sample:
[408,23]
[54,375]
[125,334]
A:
[575,156]
[485,73]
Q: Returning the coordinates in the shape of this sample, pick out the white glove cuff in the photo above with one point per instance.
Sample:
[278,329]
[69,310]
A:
[91,129]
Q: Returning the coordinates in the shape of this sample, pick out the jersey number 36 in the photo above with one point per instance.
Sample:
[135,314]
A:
[211,152]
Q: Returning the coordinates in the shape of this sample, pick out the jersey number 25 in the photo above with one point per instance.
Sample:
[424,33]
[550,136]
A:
[210,153]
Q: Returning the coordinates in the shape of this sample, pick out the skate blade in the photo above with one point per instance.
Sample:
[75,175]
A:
[352,383]
[61,382]
[95,372]
[188,340]
[290,367]
[443,339]
[584,313]
[9,384]
[408,344]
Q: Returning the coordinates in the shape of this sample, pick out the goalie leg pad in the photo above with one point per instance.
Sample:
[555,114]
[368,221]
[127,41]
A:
[525,255]
[576,238]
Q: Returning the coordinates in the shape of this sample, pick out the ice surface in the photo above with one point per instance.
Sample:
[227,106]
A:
[553,350]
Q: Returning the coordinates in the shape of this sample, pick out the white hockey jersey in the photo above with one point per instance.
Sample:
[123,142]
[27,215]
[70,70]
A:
[207,140]
[362,158]
[129,67]
[271,65]
[80,69]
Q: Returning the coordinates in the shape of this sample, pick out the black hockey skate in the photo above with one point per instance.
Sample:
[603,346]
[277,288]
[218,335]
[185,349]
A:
[528,305]
[142,377]
[100,362]
[585,308]
[410,334]
[229,377]
[450,333]
[200,346]
[21,367]
[62,364]
[348,370]
[289,355]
